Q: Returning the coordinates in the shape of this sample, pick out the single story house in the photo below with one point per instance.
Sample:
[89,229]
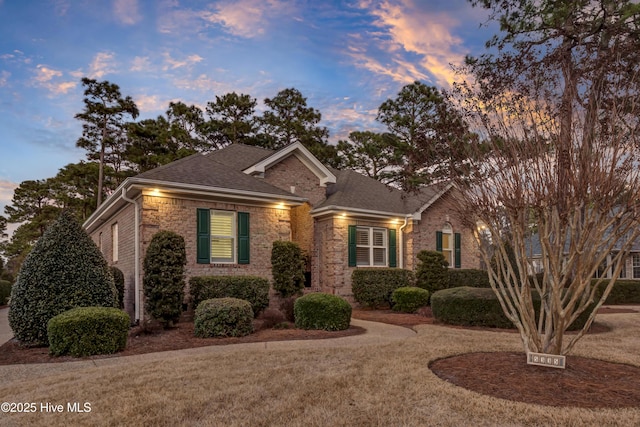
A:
[230,205]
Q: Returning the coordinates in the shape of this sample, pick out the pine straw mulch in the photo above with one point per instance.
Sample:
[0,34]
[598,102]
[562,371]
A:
[588,383]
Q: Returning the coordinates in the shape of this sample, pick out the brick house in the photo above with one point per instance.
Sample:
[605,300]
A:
[232,204]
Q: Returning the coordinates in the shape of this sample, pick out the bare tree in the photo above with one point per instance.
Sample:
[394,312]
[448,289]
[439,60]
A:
[557,108]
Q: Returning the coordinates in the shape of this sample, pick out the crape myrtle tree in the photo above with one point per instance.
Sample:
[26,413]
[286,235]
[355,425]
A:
[556,98]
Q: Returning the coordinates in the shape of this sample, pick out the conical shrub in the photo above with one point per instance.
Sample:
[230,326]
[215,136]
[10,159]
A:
[64,270]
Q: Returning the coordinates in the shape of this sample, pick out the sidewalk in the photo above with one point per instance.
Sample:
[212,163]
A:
[5,331]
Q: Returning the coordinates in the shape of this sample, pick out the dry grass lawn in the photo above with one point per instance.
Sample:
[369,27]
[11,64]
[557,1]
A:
[262,385]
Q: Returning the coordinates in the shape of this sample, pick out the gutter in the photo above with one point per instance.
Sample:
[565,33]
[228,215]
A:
[136,254]
[402,227]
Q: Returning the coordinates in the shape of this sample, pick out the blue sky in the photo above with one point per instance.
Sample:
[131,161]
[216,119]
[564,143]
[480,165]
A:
[346,57]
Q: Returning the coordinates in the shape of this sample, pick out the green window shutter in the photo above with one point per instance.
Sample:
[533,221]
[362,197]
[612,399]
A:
[352,246]
[457,250]
[203,236]
[243,238]
[439,241]
[392,248]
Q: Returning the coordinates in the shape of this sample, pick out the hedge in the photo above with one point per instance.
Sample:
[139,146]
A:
[373,287]
[469,306]
[468,277]
[5,291]
[250,288]
[85,331]
[409,299]
[623,291]
[322,311]
[223,317]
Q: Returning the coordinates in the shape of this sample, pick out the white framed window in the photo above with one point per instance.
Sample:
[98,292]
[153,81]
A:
[447,243]
[223,236]
[636,266]
[371,247]
[114,242]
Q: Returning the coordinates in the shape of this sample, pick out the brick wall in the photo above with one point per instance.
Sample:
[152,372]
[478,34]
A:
[291,172]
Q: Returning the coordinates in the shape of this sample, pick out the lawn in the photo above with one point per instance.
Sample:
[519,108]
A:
[265,385]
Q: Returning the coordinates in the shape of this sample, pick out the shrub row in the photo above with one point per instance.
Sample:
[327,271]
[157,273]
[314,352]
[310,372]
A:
[623,292]
[469,306]
[5,291]
[468,277]
[409,299]
[372,287]
[322,311]
[223,317]
[85,331]
[250,288]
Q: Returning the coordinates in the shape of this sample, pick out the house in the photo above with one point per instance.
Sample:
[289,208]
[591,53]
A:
[230,206]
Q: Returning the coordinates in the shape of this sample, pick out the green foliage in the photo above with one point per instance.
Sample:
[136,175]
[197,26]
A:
[623,291]
[368,153]
[322,311]
[231,119]
[85,331]
[409,299]
[480,307]
[64,270]
[468,277]
[118,280]
[250,288]
[287,267]
[372,287]
[5,291]
[432,272]
[164,277]
[223,317]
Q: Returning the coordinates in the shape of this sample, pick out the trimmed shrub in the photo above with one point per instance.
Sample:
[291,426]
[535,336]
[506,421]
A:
[322,311]
[164,277]
[118,280]
[223,317]
[623,291]
[287,267]
[432,271]
[468,277]
[469,306]
[372,287]
[409,299]
[64,270]
[250,288]
[5,291]
[85,331]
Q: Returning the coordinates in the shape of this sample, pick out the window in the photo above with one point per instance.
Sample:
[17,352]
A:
[371,246]
[114,242]
[450,244]
[223,237]
[636,266]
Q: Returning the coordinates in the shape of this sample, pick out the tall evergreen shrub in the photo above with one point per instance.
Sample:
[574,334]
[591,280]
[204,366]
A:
[432,271]
[164,277]
[287,267]
[64,270]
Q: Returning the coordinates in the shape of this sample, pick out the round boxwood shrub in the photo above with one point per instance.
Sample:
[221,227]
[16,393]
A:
[85,331]
[322,311]
[64,270]
[469,306]
[372,287]
[118,280]
[164,277]
[432,272]
[223,317]
[409,299]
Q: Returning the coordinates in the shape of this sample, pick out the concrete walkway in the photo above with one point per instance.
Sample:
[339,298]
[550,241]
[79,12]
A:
[377,334]
[5,331]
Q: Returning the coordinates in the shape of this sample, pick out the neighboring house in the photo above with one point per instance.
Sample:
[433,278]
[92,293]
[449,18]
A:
[232,204]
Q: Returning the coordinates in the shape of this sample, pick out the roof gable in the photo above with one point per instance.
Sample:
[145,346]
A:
[296,149]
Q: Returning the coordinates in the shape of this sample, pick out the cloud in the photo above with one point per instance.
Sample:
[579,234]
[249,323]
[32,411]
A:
[126,11]
[172,64]
[201,83]
[49,78]
[245,18]
[6,193]
[150,103]
[140,63]
[61,7]
[103,63]
[4,77]
[417,44]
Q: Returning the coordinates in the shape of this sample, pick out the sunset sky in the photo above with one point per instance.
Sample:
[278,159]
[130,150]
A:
[346,57]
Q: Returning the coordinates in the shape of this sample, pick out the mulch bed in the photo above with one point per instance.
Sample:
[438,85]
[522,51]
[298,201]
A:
[587,383]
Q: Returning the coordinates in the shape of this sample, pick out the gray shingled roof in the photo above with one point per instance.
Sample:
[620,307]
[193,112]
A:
[200,169]
[239,156]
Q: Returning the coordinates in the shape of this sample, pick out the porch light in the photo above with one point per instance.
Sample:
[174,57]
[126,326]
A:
[155,193]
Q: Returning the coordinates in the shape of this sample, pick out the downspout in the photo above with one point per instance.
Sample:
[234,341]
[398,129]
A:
[136,255]
[401,236]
